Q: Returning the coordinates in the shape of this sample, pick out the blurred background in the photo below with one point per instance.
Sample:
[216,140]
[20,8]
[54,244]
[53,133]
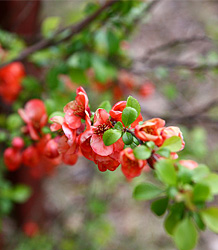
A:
[164,53]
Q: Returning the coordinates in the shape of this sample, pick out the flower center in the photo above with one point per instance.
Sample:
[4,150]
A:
[149,130]
[100,129]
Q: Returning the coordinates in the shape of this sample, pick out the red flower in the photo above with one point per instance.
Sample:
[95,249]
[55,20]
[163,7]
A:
[12,158]
[31,157]
[93,147]
[171,131]
[77,110]
[30,228]
[51,149]
[149,130]
[189,164]
[10,81]
[116,113]
[130,166]
[147,89]
[34,115]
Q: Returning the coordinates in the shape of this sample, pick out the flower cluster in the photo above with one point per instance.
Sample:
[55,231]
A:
[10,81]
[41,156]
[107,139]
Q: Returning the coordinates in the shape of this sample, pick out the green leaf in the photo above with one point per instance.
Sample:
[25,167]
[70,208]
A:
[159,207]
[129,115]
[127,138]
[133,103]
[112,42]
[49,25]
[165,152]
[212,181]
[184,174]
[146,191]
[185,235]
[200,173]
[166,172]
[150,144]
[14,122]
[142,152]
[171,221]
[173,143]
[201,192]
[103,69]
[107,106]
[210,218]
[111,136]
[118,126]
[198,221]
[21,193]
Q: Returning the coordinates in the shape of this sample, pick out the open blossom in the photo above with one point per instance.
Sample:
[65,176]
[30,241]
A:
[34,115]
[77,110]
[116,113]
[93,147]
[149,131]
[10,81]
[130,166]
[168,132]
[189,164]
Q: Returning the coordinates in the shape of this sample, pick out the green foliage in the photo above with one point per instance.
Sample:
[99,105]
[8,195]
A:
[173,143]
[50,25]
[146,191]
[142,152]
[118,126]
[159,206]
[107,106]
[111,136]
[127,138]
[129,115]
[185,235]
[210,218]
[133,103]
[166,172]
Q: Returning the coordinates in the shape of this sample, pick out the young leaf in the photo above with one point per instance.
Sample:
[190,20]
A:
[111,136]
[127,138]
[133,103]
[201,192]
[21,193]
[150,144]
[212,181]
[146,191]
[185,235]
[129,115]
[159,206]
[210,218]
[198,221]
[50,25]
[118,126]
[173,143]
[142,152]
[200,173]
[166,172]
[105,105]
[171,221]
[165,152]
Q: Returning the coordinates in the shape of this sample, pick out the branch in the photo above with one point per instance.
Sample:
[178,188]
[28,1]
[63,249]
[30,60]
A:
[73,30]
[171,44]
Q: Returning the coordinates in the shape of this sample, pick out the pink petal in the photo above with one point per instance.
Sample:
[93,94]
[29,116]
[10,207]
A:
[98,146]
